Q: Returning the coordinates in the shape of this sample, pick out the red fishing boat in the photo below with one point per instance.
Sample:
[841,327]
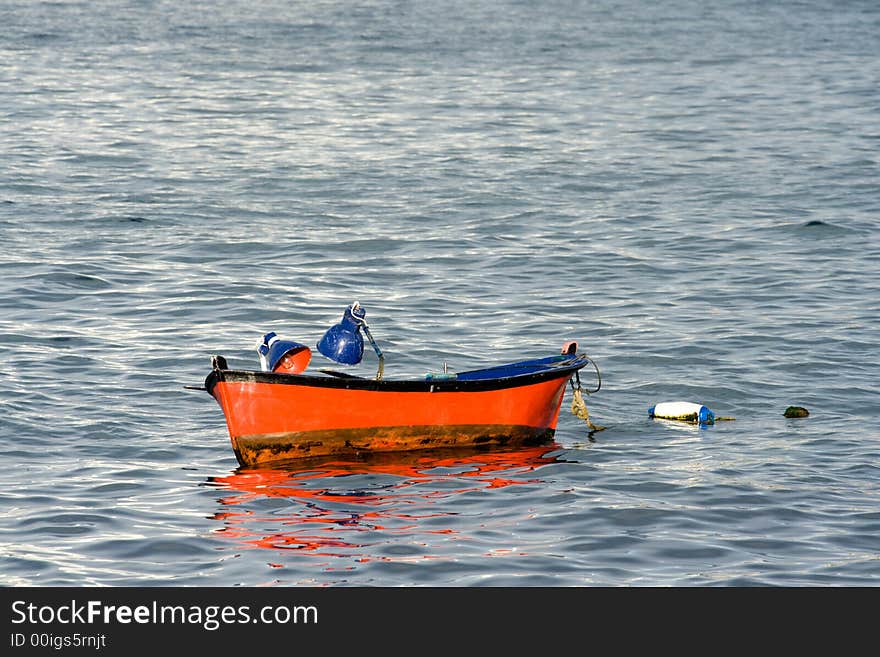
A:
[279,412]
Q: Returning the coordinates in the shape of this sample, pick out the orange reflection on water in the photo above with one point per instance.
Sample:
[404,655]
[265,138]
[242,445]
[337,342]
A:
[336,508]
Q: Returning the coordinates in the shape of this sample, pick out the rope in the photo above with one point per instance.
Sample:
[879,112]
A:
[598,377]
[579,409]
[578,405]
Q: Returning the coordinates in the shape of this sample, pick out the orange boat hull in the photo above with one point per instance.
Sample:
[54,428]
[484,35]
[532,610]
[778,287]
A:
[271,417]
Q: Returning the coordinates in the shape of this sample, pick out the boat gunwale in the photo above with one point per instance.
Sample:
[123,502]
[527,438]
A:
[563,369]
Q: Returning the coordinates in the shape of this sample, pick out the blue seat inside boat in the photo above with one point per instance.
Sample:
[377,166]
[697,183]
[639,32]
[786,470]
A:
[515,369]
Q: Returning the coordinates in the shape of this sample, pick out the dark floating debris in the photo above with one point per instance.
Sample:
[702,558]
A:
[796,411]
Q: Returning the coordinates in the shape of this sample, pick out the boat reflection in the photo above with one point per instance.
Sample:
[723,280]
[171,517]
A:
[348,507]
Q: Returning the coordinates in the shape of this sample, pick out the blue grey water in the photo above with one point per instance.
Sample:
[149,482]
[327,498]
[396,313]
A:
[691,190]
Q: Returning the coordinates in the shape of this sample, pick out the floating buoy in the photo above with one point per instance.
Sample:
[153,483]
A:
[682,411]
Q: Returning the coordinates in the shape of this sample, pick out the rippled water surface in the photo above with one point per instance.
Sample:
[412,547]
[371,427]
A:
[691,190]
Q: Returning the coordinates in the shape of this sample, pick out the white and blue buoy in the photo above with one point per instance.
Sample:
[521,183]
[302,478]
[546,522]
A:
[683,411]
